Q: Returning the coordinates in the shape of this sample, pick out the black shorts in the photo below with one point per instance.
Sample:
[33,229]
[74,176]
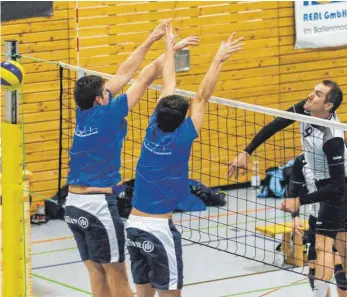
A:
[332,216]
[96,226]
[332,219]
[155,250]
[311,239]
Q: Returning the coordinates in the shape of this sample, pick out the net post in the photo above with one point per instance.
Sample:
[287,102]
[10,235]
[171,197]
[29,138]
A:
[13,255]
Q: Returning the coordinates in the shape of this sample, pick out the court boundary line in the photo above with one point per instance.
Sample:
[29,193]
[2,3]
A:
[61,284]
[192,284]
[52,239]
[186,285]
[274,289]
[279,288]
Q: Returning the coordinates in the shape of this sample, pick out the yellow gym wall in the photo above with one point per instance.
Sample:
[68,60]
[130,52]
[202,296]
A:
[268,72]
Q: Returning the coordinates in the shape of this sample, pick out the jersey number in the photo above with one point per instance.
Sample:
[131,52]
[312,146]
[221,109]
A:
[308,131]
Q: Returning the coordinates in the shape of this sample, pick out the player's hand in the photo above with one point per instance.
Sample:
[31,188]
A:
[239,165]
[188,41]
[170,37]
[228,47]
[159,31]
[298,226]
[290,205]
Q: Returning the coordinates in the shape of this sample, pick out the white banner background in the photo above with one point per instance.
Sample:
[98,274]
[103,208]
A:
[320,24]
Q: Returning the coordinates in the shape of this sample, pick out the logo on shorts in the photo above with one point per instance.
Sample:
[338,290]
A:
[147,246]
[83,222]
[70,220]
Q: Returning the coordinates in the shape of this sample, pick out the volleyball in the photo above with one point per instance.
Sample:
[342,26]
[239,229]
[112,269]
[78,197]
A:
[12,75]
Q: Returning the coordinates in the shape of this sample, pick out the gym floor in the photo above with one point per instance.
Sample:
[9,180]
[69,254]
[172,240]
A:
[58,271]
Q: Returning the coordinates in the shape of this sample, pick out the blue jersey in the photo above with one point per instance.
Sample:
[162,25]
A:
[97,144]
[162,171]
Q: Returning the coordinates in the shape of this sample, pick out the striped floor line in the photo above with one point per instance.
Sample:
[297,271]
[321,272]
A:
[61,284]
[54,251]
[279,288]
[52,239]
[274,289]
[186,285]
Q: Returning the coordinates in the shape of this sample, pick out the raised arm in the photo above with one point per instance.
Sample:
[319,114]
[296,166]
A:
[153,71]
[127,69]
[169,70]
[278,124]
[208,84]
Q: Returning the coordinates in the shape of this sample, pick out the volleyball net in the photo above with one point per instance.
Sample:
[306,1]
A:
[249,224]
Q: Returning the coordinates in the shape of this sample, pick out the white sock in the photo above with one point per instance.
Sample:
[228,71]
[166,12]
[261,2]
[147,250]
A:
[320,288]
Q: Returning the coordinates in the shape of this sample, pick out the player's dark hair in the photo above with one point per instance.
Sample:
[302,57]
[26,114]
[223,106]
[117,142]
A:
[335,95]
[171,112]
[87,88]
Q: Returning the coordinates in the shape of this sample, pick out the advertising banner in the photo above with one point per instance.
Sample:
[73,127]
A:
[320,24]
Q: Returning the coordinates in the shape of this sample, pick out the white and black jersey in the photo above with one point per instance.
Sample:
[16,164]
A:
[324,151]
[313,139]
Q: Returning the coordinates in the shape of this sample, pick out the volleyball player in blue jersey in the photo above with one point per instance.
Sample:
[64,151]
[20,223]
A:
[91,211]
[161,179]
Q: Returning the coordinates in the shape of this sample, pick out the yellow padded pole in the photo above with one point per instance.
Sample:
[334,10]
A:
[13,282]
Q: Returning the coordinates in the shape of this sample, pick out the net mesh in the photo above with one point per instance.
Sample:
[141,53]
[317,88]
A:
[246,226]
